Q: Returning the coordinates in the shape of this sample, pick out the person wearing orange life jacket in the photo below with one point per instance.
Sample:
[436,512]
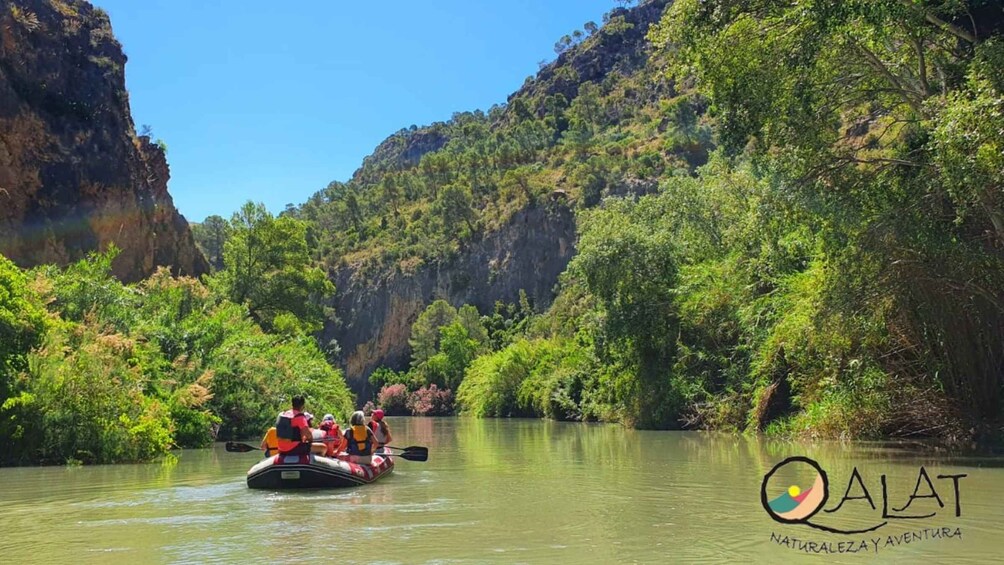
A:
[359,437]
[293,430]
[381,431]
[270,443]
[333,439]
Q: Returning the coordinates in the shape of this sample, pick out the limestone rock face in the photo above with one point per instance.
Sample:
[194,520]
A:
[528,253]
[74,176]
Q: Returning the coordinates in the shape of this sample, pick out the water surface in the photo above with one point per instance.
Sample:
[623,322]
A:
[502,491]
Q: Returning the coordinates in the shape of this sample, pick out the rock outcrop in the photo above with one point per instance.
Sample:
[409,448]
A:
[74,176]
[528,253]
[622,48]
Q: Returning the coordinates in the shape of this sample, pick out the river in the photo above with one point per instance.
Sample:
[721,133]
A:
[509,491]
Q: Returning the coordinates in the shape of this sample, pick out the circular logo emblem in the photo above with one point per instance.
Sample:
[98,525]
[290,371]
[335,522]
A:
[794,490]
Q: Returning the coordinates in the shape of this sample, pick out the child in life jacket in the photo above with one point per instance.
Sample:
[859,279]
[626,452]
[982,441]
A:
[270,443]
[381,431]
[332,438]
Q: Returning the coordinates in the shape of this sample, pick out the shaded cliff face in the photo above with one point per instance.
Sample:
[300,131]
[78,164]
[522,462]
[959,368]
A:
[74,177]
[529,253]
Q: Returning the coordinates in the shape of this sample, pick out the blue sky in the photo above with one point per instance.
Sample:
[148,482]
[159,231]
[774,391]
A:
[271,101]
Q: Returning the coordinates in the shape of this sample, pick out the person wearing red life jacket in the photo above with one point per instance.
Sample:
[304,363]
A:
[333,439]
[381,431]
[293,430]
[360,441]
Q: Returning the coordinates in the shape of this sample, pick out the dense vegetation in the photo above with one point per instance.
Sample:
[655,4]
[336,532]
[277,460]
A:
[96,371]
[791,219]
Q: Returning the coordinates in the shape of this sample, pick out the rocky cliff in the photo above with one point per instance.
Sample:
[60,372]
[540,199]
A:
[528,252]
[376,316]
[74,176]
[623,51]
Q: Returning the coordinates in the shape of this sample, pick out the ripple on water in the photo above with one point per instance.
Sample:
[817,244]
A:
[179,520]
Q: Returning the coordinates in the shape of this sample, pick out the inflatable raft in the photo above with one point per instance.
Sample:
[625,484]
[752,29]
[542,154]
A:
[311,471]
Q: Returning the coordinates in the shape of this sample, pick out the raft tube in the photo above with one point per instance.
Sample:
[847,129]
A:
[311,471]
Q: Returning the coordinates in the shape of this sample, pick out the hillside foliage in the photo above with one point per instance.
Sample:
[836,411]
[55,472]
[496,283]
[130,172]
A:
[791,219]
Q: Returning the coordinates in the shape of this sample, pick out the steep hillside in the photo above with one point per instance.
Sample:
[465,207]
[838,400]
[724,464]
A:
[526,255]
[474,209]
[74,176]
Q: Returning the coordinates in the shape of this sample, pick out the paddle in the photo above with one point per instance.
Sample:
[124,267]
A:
[235,447]
[413,453]
[413,450]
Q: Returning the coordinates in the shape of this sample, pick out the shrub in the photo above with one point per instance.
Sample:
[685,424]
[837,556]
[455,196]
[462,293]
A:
[393,399]
[431,401]
[492,381]
[89,387]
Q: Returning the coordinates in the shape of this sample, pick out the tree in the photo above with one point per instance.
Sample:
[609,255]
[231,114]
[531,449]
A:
[425,334]
[392,193]
[457,350]
[456,209]
[355,212]
[591,27]
[211,236]
[22,323]
[563,44]
[267,267]
[470,319]
[878,125]
[626,258]
[522,180]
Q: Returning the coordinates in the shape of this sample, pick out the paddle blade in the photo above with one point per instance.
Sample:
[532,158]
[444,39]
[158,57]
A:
[235,447]
[420,455]
[410,448]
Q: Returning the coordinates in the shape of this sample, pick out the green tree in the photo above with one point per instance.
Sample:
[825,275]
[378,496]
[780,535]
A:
[425,333]
[211,236]
[456,210]
[268,268]
[877,125]
[456,351]
[626,258]
[470,319]
[22,328]
[22,322]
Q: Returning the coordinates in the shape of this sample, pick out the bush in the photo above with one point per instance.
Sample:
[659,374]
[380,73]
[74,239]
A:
[127,372]
[431,401]
[393,399]
[89,388]
[492,381]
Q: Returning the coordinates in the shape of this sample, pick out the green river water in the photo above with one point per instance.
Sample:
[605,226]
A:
[506,491]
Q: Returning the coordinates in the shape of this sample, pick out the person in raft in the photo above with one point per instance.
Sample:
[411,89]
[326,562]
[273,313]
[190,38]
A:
[293,430]
[333,439]
[360,440]
[381,431]
[270,443]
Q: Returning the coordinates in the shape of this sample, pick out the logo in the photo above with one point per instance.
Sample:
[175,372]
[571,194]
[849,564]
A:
[796,505]
[796,492]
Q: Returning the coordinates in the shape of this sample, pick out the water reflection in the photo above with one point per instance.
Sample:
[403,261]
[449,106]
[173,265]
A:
[492,491]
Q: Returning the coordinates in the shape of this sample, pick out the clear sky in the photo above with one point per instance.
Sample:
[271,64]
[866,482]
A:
[270,101]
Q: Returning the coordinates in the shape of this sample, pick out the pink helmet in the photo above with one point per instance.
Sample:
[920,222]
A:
[378,414]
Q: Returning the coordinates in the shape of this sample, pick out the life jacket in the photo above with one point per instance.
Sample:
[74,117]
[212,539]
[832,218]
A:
[288,434]
[378,432]
[332,439]
[360,440]
[271,442]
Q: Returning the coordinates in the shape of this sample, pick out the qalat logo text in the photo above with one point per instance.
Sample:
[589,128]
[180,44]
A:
[796,490]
